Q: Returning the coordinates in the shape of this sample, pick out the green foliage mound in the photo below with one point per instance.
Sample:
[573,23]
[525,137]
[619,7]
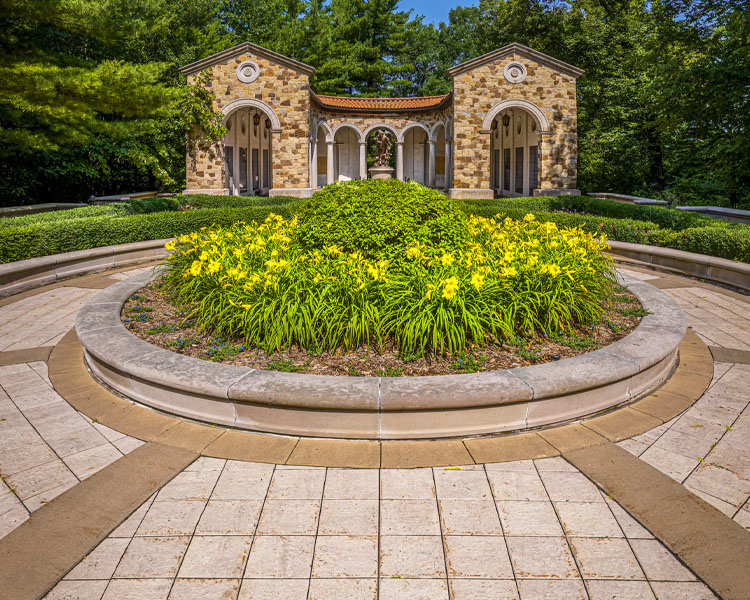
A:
[144,206]
[378,218]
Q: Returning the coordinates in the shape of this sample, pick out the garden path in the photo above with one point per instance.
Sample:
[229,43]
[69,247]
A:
[233,529]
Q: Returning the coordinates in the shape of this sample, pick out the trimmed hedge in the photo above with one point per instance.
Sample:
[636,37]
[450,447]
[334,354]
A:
[58,216]
[45,238]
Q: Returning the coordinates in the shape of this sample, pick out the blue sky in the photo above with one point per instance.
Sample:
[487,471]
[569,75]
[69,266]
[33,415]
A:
[433,10]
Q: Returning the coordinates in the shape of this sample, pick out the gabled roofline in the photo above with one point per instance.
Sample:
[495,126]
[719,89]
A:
[539,57]
[246,48]
[444,100]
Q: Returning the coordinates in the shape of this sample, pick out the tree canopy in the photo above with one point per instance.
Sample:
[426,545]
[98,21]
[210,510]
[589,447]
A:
[92,101]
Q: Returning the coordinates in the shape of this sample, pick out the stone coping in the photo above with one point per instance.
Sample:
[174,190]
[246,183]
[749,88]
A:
[22,275]
[33,209]
[734,215]
[625,199]
[720,270]
[379,407]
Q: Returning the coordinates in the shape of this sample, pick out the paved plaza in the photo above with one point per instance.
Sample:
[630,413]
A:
[528,529]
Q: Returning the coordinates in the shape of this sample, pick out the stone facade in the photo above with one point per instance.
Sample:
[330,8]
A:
[476,92]
[542,86]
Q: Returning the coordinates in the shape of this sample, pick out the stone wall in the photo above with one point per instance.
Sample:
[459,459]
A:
[286,92]
[478,90]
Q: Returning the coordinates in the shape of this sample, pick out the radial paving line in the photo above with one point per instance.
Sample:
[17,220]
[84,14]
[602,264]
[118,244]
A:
[14,357]
[37,554]
[715,547]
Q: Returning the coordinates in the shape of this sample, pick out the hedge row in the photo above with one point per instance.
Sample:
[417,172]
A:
[46,238]
[59,216]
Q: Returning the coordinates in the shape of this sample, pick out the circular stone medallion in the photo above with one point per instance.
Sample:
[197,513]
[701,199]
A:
[247,72]
[515,72]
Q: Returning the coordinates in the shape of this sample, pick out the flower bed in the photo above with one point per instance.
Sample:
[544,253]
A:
[423,275]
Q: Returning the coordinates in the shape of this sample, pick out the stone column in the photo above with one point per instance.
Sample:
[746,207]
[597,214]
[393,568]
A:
[447,176]
[363,160]
[313,163]
[329,158]
[431,165]
[400,161]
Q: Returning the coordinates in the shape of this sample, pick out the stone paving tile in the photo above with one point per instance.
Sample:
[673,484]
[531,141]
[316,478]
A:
[621,590]
[414,589]
[483,557]
[412,556]
[138,589]
[343,589]
[274,589]
[204,589]
[345,556]
[349,517]
[215,557]
[536,519]
[407,484]
[603,558]
[285,557]
[481,589]
[541,558]
[409,517]
[469,517]
[289,517]
[149,557]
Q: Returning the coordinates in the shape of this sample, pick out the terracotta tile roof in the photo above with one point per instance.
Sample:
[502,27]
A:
[381,104]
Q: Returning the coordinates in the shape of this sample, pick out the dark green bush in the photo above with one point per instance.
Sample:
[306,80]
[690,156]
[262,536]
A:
[115,209]
[45,238]
[144,206]
[379,218]
[212,201]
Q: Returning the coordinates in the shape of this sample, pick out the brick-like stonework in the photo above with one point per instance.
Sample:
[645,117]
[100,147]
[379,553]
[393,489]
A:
[478,86]
[478,90]
[283,89]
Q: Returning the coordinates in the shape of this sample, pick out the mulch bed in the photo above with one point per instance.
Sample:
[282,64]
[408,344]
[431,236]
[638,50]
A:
[152,316]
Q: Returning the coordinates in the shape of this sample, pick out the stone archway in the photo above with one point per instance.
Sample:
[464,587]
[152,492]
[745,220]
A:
[515,151]
[248,146]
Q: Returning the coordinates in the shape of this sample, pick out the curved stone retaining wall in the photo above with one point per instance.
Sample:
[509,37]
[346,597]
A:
[24,275]
[385,407]
[711,268]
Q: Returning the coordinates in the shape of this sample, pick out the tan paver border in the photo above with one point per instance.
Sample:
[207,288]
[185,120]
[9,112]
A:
[71,379]
[40,551]
[379,407]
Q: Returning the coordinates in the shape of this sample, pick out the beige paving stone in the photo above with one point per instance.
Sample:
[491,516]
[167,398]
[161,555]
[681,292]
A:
[274,589]
[289,517]
[483,589]
[352,484]
[128,527]
[274,556]
[41,478]
[687,445]
[349,517]
[207,463]
[149,557]
[570,487]
[229,517]
[189,485]
[250,483]
[517,485]
[521,518]
[632,528]
[177,517]
[541,558]
[343,589]
[101,563]
[127,444]
[78,590]
[216,557]
[74,441]
[406,484]
[12,519]
[555,463]
[411,557]
[550,589]
[413,589]
[658,563]
[720,483]
[514,465]
[484,557]
[602,558]
[203,589]
[469,517]
[461,485]
[588,519]
[409,517]
[138,589]
[298,485]
[15,460]
[36,502]
[620,590]
[345,556]
[86,463]
[682,591]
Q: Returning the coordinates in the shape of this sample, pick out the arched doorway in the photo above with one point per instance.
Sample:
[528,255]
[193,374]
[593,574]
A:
[248,150]
[346,152]
[442,152]
[416,154]
[516,128]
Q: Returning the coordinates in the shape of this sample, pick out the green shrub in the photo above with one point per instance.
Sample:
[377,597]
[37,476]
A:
[114,209]
[144,206]
[379,218]
[510,278]
[45,238]
[212,201]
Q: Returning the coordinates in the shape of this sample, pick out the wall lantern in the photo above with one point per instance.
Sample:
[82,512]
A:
[268,123]
[256,119]
[506,120]
[494,125]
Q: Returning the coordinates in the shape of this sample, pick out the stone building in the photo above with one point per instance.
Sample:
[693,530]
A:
[508,128]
